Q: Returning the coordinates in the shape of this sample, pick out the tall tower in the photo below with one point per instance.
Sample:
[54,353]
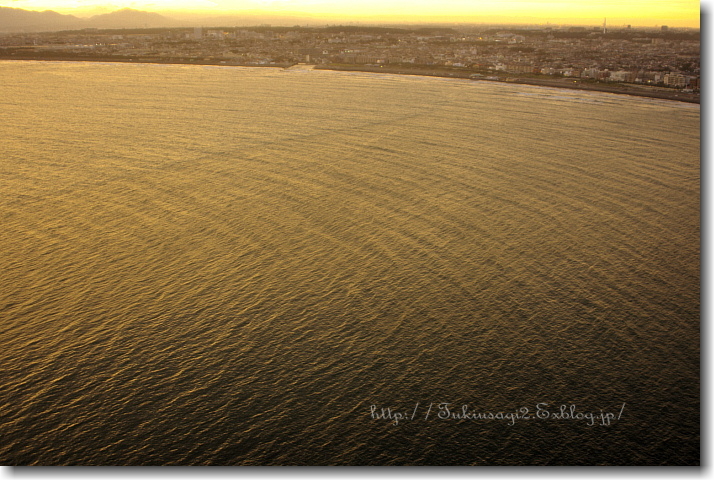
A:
[605,26]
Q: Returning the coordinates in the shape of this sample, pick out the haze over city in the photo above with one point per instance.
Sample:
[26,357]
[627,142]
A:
[680,13]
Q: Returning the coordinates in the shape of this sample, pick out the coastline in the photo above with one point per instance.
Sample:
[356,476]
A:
[571,84]
[145,59]
[444,72]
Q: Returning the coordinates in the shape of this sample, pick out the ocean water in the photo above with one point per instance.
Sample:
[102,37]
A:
[255,266]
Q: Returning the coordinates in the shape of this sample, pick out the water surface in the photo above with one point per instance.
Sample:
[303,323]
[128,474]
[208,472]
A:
[231,266]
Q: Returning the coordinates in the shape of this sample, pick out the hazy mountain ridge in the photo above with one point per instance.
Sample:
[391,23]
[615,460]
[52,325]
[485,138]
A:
[130,18]
[12,19]
[19,20]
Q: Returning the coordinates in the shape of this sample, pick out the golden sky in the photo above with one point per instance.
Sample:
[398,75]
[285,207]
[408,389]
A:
[675,13]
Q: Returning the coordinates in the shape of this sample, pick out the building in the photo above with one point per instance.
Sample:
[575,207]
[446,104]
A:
[675,80]
[519,68]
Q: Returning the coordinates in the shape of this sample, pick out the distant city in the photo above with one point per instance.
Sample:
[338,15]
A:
[658,58]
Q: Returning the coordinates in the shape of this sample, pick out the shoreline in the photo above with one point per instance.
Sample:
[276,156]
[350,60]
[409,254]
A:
[151,61]
[569,84]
